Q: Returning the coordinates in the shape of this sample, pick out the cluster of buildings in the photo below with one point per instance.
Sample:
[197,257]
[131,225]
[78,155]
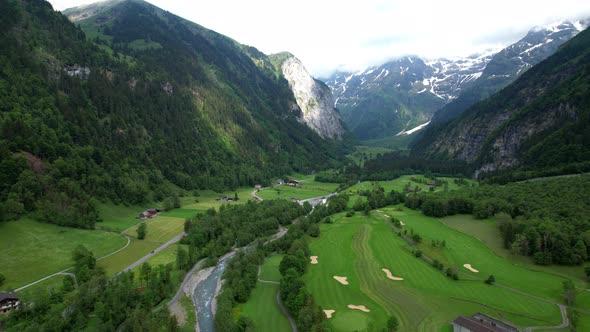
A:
[8,302]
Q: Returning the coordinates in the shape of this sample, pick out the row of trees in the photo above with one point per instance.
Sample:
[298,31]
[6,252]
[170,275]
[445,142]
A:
[122,303]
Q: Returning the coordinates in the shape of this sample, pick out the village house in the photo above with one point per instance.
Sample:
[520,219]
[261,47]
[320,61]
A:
[8,302]
[294,183]
[148,214]
[279,182]
[481,323]
[258,187]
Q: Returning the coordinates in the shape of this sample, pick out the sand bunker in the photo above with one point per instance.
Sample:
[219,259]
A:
[341,280]
[314,259]
[359,307]
[470,268]
[402,223]
[390,276]
[329,313]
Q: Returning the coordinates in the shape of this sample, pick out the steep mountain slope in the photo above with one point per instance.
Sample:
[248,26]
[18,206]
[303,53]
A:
[511,62]
[313,97]
[539,122]
[149,101]
[401,94]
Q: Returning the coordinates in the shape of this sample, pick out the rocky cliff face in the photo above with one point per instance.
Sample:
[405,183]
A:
[540,121]
[314,98]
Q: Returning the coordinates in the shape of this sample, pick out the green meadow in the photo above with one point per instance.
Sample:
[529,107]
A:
[399,184]
[359,248]
[119,261]
[32,250]
[309,189]
[262,305]
[160,229]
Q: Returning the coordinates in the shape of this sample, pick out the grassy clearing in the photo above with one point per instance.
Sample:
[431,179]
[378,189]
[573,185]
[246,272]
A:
[262,306]
[117,262]
[462,248]
[182,213]
[32,250]
[399,184]
[425,301]
[309,189]
[164,257]
[270,269]
[487,232]
[119,217]
[160,229]
[363,152]
[263,309]
[40,289]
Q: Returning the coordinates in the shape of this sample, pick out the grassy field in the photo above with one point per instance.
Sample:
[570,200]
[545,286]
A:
[160,229]
[308,189]
[32,250]
[425,300]
[117,262]
[399,184]
[487,232]
[363,152]
[182,213]
[40,289]
[262,306]
[270,269]
[120,217]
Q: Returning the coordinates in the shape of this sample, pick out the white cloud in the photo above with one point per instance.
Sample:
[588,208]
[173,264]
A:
[331,34]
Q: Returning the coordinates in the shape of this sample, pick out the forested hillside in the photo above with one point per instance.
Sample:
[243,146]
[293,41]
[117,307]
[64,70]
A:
[145,102]
[540,124]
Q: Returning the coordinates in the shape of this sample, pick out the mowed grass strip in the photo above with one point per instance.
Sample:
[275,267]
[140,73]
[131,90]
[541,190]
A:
[270,269]
[309,189]
[263,309]
[32,250]
[160,229]
[117,262]
[262,305]
[182,213]
[462,249]
[337,258]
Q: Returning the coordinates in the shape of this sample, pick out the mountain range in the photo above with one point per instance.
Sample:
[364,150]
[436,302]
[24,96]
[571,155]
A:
[130,103]
[406,93]
[539,123]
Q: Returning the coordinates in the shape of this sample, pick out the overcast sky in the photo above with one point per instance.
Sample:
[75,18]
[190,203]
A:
[350,35]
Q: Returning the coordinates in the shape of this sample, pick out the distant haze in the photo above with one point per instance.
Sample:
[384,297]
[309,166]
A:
[329,35]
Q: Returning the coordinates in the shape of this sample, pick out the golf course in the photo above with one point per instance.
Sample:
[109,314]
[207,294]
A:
[426,299]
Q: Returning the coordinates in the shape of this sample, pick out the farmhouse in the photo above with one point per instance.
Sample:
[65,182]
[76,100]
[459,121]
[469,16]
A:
[294,183]
[279,182]
[148,214]
[480,323]
[8,302]
[258,187]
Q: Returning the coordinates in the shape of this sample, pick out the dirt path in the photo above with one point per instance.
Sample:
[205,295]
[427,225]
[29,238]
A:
[285,312]
[565,322]
[69,268]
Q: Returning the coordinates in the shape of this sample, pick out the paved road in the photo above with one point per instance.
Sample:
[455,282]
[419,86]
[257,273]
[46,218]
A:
[157,250]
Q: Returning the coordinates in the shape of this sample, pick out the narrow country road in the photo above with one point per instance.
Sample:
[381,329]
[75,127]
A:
[155,251]
[285,312]
[565,322]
